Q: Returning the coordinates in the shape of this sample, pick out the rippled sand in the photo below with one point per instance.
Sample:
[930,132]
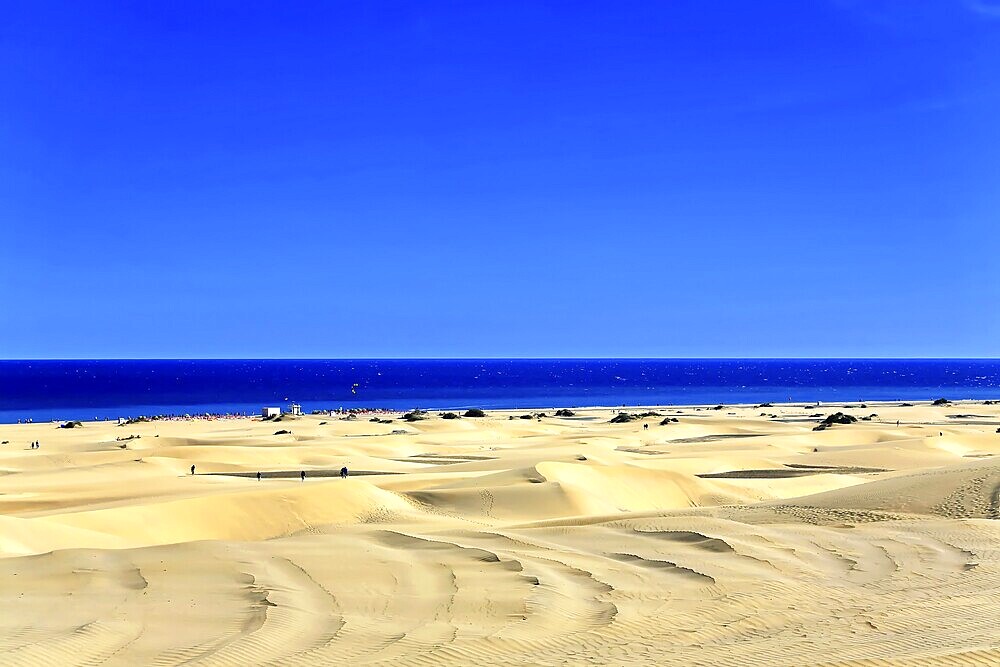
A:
[729,537]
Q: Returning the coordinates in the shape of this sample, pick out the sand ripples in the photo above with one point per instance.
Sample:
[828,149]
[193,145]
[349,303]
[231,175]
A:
[573,550]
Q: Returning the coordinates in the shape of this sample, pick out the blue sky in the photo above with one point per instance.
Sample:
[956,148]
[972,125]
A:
[567,179]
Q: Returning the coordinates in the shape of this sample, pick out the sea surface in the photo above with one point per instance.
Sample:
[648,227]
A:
[89,389]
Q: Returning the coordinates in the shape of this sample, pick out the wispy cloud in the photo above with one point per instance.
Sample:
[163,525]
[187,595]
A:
[985,7]
[907,13]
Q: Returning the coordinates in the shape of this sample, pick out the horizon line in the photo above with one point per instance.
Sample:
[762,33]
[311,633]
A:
[588,358]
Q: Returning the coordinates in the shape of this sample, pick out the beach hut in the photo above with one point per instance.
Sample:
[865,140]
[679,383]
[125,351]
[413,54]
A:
[268,413]
[295,410]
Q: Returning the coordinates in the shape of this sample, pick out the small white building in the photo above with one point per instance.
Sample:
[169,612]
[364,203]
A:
[295,410]
[270,413]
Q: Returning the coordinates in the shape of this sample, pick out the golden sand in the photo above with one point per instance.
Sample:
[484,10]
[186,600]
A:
[726,538]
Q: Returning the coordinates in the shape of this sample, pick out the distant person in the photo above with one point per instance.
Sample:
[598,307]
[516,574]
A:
[343,472]
[192,470]
[258,475]
[645,427]
[303,475]
[897,423]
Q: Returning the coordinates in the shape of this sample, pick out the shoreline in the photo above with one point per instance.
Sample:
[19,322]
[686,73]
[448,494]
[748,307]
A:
[373,410]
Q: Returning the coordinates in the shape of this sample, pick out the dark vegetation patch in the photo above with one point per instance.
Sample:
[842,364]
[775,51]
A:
[835,418]
[625,417]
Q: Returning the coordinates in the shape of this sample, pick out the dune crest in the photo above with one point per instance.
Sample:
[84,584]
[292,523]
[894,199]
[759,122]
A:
[725,538]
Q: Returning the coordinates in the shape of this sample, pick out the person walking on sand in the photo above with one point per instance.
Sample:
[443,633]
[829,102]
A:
[258,475]
[343,472]
[303,475]
[192,469]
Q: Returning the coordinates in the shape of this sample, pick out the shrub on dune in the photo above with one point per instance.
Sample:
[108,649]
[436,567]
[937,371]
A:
[835,418]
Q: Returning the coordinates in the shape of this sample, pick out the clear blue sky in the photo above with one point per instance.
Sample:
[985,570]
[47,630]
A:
[379,179]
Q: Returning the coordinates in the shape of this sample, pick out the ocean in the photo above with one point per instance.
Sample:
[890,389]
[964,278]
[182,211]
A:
[99,389]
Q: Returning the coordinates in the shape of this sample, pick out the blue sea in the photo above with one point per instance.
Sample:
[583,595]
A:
[89,389]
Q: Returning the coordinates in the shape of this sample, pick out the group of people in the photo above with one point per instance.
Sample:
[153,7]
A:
[207,416]
[36,445]
[302,474]
[356,411]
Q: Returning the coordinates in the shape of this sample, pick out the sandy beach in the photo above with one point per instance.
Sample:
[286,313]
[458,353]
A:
[732,536]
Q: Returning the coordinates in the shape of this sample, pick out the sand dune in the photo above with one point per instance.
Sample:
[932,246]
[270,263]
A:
[722,539]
